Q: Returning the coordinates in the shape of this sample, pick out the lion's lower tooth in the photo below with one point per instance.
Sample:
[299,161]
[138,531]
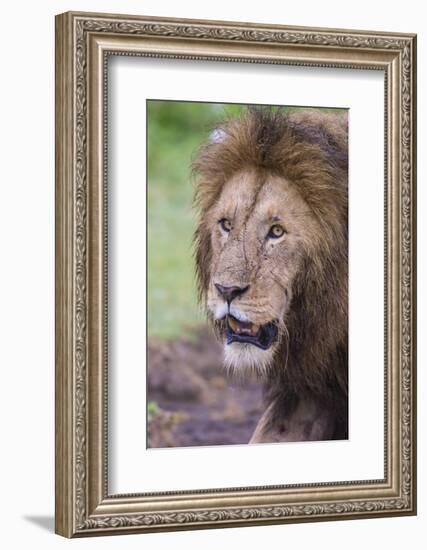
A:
[234,325]
[243,328]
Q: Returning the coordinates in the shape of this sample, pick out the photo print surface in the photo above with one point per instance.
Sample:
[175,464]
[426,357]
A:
[247,274]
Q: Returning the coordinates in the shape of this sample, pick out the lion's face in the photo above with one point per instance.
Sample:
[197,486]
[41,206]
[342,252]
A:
[261,230]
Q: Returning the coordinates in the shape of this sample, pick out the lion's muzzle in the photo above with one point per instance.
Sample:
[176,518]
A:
[261,336]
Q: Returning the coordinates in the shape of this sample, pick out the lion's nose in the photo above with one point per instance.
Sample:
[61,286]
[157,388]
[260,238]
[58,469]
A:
[230,292]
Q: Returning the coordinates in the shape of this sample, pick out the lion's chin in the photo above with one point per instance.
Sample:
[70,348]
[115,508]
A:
[242,359]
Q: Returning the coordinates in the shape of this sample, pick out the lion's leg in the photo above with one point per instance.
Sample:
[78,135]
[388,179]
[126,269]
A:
[308,422]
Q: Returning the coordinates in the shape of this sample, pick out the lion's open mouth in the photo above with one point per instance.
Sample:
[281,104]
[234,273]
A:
[261,336]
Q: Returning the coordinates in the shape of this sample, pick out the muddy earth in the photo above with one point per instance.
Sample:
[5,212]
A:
[191,401]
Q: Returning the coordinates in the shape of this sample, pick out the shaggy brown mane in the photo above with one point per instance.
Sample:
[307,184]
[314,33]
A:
[309,149]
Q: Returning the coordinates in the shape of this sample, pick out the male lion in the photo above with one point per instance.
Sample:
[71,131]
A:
[271,259]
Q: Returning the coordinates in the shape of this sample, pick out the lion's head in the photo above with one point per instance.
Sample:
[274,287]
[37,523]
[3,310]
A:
[271,241]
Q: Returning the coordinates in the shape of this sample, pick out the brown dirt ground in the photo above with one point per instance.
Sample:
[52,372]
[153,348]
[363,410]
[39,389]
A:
[197,403]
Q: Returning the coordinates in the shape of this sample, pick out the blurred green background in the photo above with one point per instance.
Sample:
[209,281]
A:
[176,129]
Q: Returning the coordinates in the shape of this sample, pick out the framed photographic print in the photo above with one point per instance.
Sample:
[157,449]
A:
[235,274]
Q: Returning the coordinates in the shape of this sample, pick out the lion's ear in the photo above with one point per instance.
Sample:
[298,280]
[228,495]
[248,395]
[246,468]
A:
[217,135]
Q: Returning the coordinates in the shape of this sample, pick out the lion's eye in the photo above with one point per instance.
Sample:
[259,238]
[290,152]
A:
[225,225]
[276,231]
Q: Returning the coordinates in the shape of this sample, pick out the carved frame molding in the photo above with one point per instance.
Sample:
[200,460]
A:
[83,43]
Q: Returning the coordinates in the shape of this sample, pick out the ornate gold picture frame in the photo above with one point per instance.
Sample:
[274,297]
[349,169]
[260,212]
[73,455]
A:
[84,42]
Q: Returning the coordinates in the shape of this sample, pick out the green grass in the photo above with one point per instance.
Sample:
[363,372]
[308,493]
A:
[171,284]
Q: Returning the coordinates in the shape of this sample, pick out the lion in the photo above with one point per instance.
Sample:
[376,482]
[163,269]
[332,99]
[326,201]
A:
[271,254]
